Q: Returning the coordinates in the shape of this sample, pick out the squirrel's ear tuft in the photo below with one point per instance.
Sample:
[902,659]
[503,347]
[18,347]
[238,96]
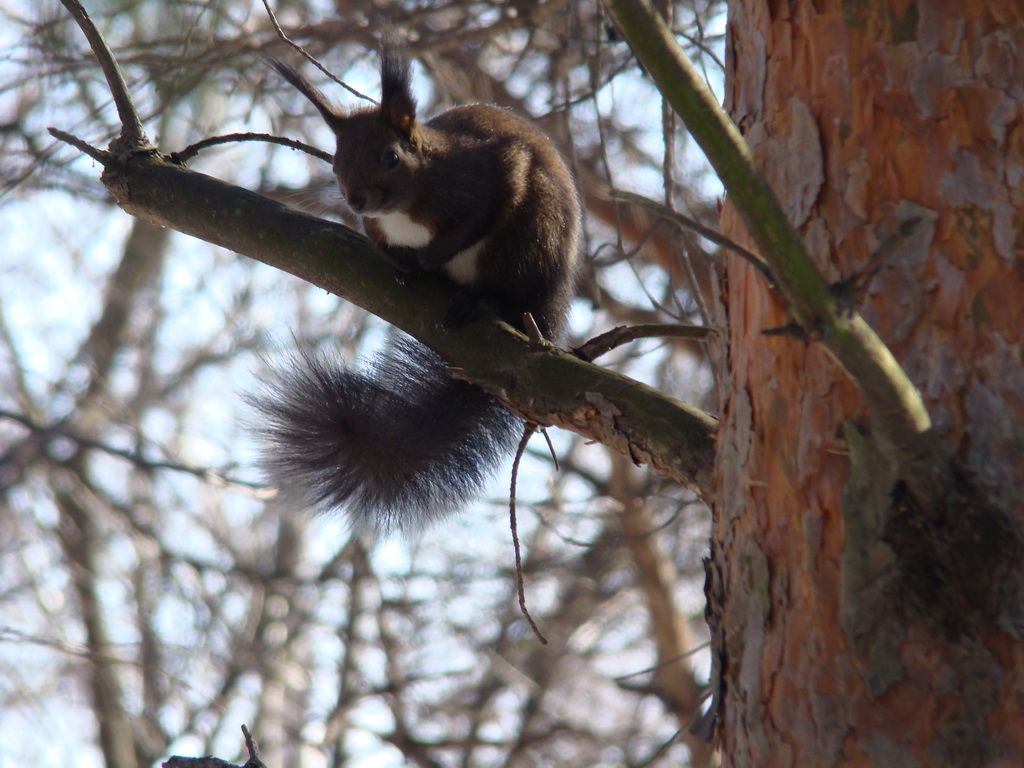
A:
[397,105]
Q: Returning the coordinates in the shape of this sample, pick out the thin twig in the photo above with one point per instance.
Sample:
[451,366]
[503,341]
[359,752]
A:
[531,327]
[520,589]
[194,149]
[253,750]
[662,664]
[311,58]
[101,156]
[551,448]
[132,133]
[205,474]
[624,334]
[707,233]
[706,50]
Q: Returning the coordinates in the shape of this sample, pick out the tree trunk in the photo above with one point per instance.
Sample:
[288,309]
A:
[896,123]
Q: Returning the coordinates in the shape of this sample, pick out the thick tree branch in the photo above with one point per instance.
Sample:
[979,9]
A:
[899,414]
[543,384]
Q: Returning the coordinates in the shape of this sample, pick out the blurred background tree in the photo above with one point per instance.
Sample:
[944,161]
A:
[154,594]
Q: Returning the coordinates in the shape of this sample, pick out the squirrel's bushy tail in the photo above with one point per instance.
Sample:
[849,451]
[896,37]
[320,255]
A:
[397,445]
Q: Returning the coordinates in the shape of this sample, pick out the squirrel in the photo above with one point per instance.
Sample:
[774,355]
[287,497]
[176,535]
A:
[479,195]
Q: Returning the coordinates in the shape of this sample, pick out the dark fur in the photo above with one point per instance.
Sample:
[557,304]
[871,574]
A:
[402,443]
[396,444]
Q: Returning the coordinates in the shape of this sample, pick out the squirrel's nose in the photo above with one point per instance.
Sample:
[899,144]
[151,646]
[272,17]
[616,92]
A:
[356,201]
[363,201]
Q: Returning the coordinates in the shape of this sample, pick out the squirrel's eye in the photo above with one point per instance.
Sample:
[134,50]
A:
[389,160]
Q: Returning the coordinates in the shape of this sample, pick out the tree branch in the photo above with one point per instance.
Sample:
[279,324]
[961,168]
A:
[538,381]
[899,415]
[625,334]
[133,136]
[99,155]
[666,213]
[541,383]
[46,432]
[186,154]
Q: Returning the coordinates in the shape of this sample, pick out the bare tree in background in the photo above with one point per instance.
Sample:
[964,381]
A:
[153,597]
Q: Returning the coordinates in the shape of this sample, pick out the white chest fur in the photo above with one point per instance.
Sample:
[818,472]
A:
[463,268]
[399,229]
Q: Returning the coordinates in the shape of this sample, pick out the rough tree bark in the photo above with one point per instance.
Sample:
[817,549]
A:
[843,638]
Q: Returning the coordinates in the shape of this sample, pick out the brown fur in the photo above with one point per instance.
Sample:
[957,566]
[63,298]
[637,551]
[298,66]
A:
[473,174]
[478,194]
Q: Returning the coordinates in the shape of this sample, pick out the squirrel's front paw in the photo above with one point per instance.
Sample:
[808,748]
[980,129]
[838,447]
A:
[466,305]
[404,259]
[403,276]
